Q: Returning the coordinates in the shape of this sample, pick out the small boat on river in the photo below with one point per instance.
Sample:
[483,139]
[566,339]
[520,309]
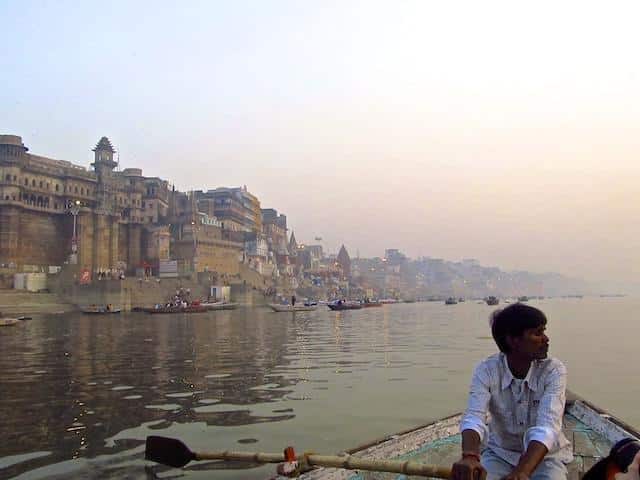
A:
[492,300]
[7,322]
[292,308]
[219,305]
[450,301]
[340,305]
[371,304]
[591,431]
[101,310]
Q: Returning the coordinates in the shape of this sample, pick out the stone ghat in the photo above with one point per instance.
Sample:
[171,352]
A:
[21,303]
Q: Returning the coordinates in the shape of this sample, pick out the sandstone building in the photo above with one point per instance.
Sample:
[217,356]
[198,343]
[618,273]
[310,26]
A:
[114,209]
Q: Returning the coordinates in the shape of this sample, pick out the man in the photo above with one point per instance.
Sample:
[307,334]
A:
[516,404]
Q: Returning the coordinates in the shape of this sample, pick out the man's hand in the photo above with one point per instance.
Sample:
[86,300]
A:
[468,468]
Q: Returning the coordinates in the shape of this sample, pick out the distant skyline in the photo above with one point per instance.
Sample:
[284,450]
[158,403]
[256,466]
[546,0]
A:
[499,131]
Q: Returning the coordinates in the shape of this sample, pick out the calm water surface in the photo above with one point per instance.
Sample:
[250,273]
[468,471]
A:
[79,394]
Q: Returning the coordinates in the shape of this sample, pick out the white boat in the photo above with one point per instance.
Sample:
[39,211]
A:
[591,431]
[7,322]
[222,305]
[292,308]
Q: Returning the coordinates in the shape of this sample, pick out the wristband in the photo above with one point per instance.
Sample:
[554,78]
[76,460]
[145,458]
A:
[471,454]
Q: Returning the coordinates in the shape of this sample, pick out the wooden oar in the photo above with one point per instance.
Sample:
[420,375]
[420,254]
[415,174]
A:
[172,452]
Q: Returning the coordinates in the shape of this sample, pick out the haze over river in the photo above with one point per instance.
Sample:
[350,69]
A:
[79,394]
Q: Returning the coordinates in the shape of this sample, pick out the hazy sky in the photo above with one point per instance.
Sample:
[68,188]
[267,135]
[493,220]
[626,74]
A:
[502,131]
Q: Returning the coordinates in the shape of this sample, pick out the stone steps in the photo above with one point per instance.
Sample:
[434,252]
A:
[19,302]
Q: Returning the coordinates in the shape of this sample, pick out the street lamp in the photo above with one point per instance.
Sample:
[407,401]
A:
[74,209]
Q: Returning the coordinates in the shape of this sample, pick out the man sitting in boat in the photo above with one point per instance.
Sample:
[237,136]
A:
[512,427]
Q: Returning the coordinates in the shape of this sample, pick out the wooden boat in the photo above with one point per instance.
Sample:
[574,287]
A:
[188,309]
[492,300]
[7,322]
[101,311]
[591,431]
[292,308]
[372,304]
[219,305]
[345,306]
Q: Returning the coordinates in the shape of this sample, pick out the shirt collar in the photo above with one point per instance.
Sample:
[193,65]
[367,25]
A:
[507,376]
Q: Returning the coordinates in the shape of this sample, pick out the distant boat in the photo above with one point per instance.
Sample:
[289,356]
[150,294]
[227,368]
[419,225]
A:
[340,305]
[222,305]
[523,298]
[369,304]
[388,300]
[492,300]
[450,301]
[101,310]
[292,308]
[7,322]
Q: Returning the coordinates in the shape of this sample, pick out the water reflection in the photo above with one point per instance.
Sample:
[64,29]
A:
[80,393]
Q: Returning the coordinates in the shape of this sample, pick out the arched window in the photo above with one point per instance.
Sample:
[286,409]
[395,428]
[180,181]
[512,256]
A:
[33,182]
[26,181]
[57,187]
[76,189]
[41,184]
[82,191]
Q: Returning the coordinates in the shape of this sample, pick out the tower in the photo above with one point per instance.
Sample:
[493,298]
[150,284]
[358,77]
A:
[103,162]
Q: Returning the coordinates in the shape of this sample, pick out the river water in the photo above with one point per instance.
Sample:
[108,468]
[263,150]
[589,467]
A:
[79,394]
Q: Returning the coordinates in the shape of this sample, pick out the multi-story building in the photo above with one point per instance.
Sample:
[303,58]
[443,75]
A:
[274,227]
[36,229]
[236,208]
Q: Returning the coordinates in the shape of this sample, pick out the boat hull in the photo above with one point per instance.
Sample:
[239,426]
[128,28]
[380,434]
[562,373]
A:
[590,429]
[8,322]
[345,307]
[292,308]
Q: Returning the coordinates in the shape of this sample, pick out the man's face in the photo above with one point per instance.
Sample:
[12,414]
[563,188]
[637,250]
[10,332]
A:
[533,343]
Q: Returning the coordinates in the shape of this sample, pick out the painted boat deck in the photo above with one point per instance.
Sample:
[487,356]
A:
[591,431]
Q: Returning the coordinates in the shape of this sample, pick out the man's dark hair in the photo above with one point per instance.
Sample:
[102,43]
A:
[513,321]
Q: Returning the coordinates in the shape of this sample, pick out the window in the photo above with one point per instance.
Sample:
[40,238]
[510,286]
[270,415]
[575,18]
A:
[76,189]
[82,191]
[15,178]
[33,183]
[6,197]
[57,187]
[41,184]
[26,181]
[8,178]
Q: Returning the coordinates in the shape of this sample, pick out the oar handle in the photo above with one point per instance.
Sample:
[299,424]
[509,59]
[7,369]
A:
[348,462]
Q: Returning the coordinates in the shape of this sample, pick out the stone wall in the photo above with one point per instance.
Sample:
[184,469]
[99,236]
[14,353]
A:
[33,238]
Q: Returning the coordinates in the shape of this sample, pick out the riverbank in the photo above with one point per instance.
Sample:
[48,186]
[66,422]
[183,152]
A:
[22,302]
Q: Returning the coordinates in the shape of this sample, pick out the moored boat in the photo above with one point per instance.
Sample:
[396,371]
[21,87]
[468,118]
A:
[340,305]
[7,322]
[450,301]
[371,304]
[591,431]
[219,305]
[101,310]
[292,308]
[492,300]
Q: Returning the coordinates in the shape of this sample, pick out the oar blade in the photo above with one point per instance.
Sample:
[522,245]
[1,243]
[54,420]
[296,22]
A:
[168,451]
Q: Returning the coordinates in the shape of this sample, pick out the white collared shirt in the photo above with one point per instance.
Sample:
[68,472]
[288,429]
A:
[508,414]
